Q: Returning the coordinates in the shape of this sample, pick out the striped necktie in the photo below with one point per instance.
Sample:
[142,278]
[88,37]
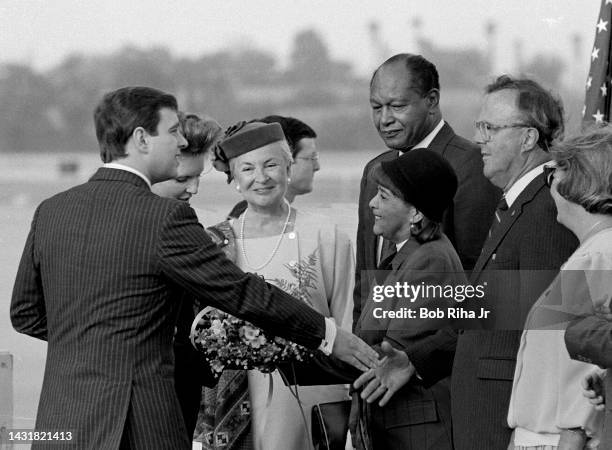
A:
[502,207]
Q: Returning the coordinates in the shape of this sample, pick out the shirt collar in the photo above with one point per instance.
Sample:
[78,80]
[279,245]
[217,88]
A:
[519,185]
[400,245]
[119,166]
[430,137]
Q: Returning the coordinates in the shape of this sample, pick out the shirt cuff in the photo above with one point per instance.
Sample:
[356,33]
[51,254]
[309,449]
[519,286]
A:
[330,336]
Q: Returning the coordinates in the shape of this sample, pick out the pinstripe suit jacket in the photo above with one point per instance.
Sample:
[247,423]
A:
[95,280]
[466,222]
[530,240]
[418,415]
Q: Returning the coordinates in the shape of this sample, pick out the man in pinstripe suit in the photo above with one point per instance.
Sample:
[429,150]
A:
[95,279]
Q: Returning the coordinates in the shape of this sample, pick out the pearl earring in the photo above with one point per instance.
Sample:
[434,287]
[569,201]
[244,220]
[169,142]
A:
[238,188]
[289,180]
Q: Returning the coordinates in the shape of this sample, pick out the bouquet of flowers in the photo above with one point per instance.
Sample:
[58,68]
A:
[227,342]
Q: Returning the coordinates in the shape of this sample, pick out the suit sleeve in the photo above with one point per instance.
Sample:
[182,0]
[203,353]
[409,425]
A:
[360,260]
[189,258]
[429,343]
[467,225]
[28,312]
[590,338]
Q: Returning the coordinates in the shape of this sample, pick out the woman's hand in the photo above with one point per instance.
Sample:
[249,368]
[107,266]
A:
[393,372]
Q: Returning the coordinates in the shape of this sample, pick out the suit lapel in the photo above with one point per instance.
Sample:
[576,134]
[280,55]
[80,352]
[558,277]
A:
[367,314]
[510,218]
[441,140]
[407,250]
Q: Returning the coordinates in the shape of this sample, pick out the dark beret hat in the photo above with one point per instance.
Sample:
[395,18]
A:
[250,137]
[426,180]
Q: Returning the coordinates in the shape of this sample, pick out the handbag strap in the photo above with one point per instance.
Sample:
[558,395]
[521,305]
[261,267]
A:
[296,395]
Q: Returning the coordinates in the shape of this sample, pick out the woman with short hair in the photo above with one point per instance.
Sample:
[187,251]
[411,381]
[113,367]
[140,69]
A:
[547,408]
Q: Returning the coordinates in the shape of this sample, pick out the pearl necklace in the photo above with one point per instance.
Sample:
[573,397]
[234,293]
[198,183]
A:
[276,247]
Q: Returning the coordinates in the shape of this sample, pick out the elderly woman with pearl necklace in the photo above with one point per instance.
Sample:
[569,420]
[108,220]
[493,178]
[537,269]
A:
[303,254]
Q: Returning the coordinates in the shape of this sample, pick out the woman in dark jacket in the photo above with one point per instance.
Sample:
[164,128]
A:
[413,193]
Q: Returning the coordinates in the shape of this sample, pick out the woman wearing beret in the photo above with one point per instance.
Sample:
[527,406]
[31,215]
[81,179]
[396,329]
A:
[413,193]
[547,408]
[302,144]
[306,256]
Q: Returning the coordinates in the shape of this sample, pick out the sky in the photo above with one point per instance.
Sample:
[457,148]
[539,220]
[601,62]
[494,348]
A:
[42,32]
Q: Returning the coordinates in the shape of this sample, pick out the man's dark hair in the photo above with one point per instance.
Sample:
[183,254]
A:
[122,111]
[543,111]
[294,130]
[424,73]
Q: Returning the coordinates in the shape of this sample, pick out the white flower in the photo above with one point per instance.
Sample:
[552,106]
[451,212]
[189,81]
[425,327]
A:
[217,328]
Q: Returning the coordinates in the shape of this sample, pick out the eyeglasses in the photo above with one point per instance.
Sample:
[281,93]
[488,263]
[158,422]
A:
[549,174]
[312,158]
[485,128]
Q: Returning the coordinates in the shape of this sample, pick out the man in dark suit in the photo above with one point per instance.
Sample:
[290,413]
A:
[405,102]
[516,125]
[96,277]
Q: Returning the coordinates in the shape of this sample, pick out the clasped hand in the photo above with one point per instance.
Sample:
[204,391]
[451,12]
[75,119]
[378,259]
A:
[394,370]
[352,350]
[593,389]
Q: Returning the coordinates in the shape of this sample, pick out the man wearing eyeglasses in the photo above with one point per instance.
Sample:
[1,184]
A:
[516,126]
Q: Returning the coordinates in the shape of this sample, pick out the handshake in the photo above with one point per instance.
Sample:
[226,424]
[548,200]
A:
[382,376]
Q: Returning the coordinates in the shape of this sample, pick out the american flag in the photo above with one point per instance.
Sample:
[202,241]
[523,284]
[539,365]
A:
[598,90]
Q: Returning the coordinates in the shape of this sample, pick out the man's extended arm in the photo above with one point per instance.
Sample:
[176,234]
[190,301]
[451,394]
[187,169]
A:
[190,259]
